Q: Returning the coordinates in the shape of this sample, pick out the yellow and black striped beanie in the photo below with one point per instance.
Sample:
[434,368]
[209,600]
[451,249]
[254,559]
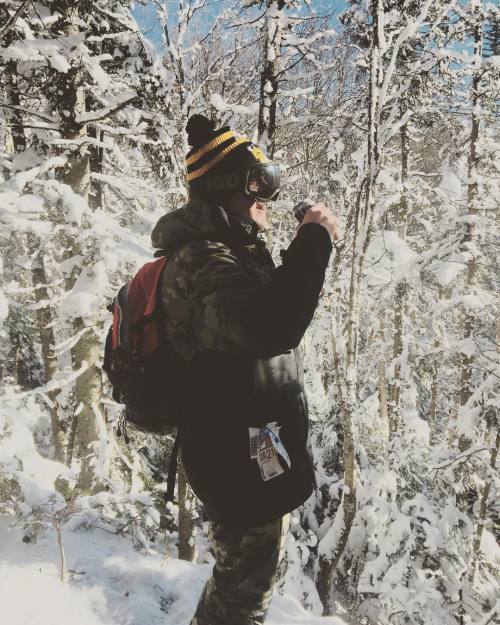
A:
[215,154]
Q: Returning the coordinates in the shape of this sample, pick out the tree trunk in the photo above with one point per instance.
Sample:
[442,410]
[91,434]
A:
[88,395]
[187,514]
[71,440]
[96,159]
[13,115]
[347,376]
[56,522]
[70,104]
[45,318]
[400,295]
[483,508]
[345,514]
[397,352]
[352,310]
[382,381]
[86,352]
[466,359]
[14,119]
[328,564]
[433,403]
[268,96]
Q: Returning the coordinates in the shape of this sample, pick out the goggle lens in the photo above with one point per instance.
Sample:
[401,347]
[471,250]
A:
[263,181]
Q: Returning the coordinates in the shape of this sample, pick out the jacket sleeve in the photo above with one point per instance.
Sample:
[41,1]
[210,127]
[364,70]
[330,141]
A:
[230,313]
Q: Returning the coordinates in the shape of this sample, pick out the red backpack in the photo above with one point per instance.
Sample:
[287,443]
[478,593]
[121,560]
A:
[143,368]
[145,372]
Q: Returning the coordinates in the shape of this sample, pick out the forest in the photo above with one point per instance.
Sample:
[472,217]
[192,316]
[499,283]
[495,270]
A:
[387,111]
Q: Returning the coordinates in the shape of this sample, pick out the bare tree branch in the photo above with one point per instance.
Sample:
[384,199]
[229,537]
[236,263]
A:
[22,109]
[10,22]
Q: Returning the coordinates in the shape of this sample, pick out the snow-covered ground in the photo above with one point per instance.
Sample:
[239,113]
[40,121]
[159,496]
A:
[108,583]
[108,580]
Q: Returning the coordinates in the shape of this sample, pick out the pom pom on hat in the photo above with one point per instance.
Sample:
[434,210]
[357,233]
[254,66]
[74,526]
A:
[200,130]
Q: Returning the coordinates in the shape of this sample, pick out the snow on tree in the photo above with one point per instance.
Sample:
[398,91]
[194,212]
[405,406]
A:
[387,112]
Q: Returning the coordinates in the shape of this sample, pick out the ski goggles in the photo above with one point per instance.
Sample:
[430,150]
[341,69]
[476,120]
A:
[262,181]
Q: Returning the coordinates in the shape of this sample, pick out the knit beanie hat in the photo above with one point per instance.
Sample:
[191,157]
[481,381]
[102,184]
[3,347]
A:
[218,159]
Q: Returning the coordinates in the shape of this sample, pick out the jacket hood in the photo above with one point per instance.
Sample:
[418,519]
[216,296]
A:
[198,220]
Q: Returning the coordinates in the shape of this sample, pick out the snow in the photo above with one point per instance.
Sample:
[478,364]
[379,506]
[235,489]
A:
[329,542]
[4,308]
[80,304]
[103,112]
[389,259]
[467,346]
[490,548]
[109,583]
[241,109]
[409,546]
[450,183]
[26,160]
[108,580]
[19,456]
[448,271]
[81,607]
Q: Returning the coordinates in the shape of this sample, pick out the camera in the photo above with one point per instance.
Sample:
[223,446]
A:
[300,209]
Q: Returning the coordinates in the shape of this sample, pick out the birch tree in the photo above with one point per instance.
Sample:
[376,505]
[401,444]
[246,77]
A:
[384,93]
[273,25]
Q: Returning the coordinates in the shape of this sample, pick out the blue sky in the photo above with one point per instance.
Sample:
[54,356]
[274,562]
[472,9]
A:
[146,15]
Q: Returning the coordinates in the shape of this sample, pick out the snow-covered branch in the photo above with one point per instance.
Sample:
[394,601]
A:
[93,116]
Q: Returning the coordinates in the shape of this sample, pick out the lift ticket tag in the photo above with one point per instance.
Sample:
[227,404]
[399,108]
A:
[265,446]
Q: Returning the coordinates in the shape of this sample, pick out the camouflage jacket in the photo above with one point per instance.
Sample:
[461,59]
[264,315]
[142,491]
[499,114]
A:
[236,321]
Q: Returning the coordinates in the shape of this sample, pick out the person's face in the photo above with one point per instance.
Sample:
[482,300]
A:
[247,207]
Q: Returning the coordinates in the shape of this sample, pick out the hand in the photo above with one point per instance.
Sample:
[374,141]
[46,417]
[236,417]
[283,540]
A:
[320,214]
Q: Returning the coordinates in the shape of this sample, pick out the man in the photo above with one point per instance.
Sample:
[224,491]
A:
[236,321]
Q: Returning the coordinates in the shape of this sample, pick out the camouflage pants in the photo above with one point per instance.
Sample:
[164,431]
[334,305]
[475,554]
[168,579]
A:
[240,589]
